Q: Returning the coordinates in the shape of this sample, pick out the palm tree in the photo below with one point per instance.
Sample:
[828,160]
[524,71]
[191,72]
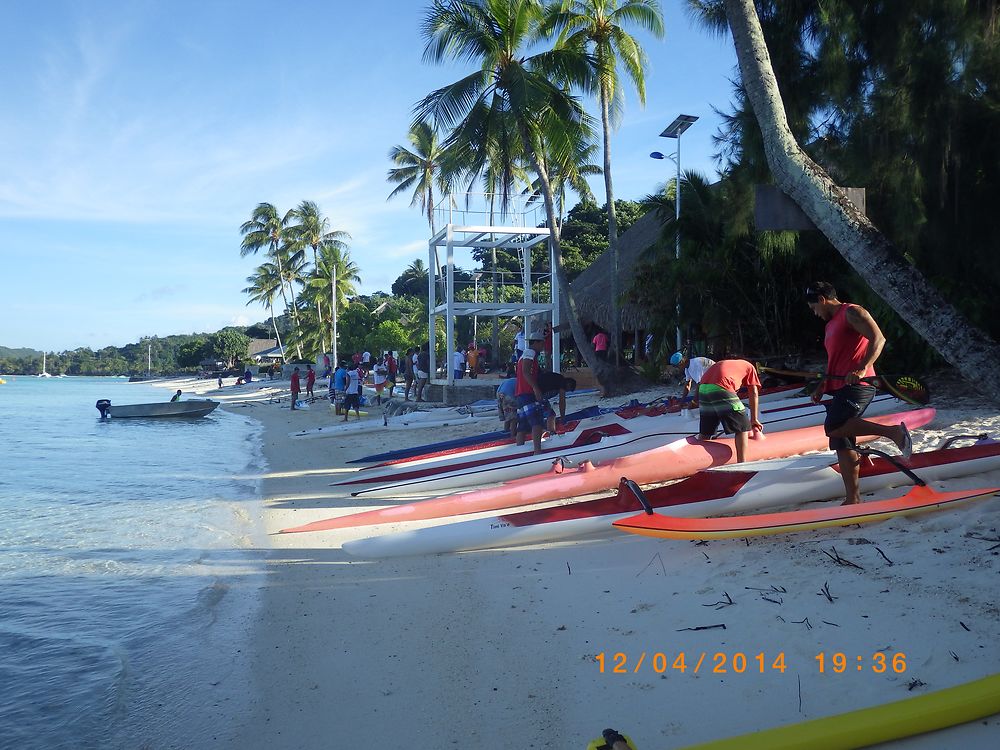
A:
[854,236]
[599,25]
[512,98]
[413,280]
[337,272]
[266,228]
[570,175]
[420,167]
[264,284]
[313,230]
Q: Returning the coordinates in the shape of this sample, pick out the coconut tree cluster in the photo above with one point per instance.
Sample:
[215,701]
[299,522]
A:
[308,267]
[517,122]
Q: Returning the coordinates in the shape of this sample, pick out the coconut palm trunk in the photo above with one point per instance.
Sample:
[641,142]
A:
[601,370]
[274,324]
[616,322]
[869,252]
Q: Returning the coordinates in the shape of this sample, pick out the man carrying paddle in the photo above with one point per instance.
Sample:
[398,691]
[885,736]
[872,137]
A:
[853,342]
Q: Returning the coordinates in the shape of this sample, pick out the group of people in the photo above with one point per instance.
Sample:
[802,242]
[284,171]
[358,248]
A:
[472,358]
[853,343]
[346,382]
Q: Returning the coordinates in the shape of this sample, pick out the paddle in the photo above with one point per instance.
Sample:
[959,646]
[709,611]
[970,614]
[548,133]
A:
[904,387]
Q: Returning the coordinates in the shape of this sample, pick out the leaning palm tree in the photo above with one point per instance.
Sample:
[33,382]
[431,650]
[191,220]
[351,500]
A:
[266,228]
[511,98]
[264,285]
[848,229]
[312,230]
[599,25]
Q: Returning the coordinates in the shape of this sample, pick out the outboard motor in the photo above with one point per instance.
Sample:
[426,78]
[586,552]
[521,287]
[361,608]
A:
[104,406]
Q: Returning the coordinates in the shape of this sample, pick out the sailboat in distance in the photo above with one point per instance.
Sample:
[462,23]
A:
[43,373]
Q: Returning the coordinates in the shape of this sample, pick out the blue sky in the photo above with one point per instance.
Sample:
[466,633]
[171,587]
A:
[135,138]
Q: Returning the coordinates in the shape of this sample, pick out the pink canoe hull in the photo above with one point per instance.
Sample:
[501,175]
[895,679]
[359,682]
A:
[676,460]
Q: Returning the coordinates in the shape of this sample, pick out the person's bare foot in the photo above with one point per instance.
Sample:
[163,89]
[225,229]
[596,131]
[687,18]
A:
[851,502]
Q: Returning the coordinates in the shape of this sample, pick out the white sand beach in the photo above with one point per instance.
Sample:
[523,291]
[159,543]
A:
[501,649]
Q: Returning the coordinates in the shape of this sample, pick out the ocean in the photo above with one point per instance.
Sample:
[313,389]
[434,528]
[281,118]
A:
[129,565]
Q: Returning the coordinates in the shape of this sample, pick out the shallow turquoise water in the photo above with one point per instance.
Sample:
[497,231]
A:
[126,574]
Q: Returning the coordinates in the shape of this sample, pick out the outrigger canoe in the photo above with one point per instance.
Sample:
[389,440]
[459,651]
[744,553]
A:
[916,500]
[678,459]
[752,486]
[614,439]
[501,437]
[574,423]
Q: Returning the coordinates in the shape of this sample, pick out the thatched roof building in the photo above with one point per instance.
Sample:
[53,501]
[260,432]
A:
[592,288]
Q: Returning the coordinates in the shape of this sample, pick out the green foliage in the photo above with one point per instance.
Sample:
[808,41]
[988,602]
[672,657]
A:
[388,336]
[413,281]
[190,353]
[584,234]
[230,345]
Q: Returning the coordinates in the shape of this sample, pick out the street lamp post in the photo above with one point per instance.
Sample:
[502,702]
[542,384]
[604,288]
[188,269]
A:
[676,130]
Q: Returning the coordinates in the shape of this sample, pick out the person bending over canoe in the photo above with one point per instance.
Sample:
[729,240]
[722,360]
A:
[554,384]
[532,409]
[175,397]
[721,405]
[853,342]
[693,369]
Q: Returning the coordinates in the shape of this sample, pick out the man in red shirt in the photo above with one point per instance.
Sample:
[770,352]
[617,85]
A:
[532,408]
[310,380]
[853,342]
[720,404]
[296,387]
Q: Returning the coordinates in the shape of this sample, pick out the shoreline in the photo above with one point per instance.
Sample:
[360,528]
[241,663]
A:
[503,648]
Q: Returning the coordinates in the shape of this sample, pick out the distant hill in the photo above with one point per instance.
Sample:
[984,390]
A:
[17,353]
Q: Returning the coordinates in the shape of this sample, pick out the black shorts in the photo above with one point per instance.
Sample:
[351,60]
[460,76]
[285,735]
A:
[352,401]
[846,403]
[723,407]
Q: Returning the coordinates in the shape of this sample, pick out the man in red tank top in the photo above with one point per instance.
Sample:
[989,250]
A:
[853,342]
[532,408]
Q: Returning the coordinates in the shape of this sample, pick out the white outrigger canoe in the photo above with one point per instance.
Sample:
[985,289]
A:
[638,435]
[412,420]
[725,490]
[681,458]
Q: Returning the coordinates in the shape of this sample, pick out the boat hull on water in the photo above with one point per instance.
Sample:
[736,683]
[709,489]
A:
[678,459]
[192,408]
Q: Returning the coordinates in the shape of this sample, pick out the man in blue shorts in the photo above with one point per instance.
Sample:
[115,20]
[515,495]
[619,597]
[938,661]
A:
[532,409]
